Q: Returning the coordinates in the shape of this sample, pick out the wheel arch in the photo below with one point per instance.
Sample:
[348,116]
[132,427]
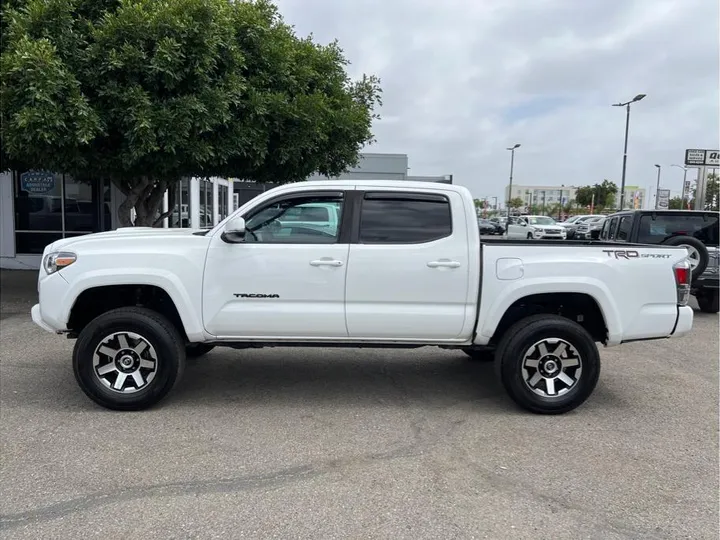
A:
[579,307]
[101,292]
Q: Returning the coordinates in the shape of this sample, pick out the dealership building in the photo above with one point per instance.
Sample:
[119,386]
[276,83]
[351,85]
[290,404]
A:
[38,207]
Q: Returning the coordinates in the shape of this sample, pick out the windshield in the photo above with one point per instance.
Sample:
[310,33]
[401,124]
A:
[541,220]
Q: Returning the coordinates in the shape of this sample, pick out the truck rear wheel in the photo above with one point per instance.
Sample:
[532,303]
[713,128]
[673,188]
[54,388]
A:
[128,359]
[548,364]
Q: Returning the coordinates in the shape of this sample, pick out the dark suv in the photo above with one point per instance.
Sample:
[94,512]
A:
[697,230]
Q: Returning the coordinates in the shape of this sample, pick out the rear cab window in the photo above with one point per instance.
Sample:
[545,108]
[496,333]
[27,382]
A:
[404,218]
[657,228]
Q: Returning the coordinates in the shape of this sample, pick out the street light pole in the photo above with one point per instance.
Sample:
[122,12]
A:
[512,164]
[682,196]
[657,188]
[627,131]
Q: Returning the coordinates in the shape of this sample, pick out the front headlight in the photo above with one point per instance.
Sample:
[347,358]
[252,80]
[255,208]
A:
[58,260]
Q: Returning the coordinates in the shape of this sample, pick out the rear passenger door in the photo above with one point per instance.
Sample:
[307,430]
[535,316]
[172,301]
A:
[408,268]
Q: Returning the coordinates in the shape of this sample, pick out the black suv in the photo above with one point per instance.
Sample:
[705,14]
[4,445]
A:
[696,230]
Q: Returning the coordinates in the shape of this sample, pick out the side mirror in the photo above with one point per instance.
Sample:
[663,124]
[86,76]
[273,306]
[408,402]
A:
[234,232]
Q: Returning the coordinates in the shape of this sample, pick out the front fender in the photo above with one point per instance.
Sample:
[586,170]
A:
[188,303]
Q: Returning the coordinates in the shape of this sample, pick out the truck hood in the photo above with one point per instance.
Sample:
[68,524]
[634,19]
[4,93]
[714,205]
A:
[136,233]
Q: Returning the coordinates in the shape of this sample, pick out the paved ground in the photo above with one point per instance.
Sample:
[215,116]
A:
[357,444]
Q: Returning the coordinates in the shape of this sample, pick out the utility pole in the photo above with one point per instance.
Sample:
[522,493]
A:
[657,188]
[627,131]
[682,196]
[512,164]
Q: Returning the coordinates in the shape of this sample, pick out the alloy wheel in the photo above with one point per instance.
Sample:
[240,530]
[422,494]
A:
[125,362]
[551,367]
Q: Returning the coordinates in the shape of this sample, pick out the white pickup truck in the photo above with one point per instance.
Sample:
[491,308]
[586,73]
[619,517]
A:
[403,267]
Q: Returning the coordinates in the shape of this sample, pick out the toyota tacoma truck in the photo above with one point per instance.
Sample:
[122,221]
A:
[403,267]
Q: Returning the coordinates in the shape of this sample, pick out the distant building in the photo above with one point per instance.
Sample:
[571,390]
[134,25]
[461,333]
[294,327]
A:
[551,195]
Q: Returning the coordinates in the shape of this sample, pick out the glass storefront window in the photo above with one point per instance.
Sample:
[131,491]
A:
[50,206]
[206,204]
[223,192]
[180,217]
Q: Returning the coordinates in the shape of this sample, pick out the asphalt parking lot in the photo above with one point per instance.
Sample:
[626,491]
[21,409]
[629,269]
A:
[325,443]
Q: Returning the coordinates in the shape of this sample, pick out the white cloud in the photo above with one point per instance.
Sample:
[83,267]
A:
[463,80]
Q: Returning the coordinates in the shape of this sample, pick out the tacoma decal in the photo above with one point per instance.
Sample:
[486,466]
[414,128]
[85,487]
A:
[255,295]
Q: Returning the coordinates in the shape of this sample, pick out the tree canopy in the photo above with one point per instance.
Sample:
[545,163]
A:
[602,195]
[145,92]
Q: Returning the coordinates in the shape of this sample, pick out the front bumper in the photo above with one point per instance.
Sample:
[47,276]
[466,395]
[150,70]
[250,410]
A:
[37,319]
[684,321]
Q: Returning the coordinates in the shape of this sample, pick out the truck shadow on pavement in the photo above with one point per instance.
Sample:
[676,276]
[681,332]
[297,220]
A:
[427,379]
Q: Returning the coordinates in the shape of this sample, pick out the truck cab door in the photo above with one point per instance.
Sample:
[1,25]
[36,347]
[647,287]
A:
[409,271]
[284,279]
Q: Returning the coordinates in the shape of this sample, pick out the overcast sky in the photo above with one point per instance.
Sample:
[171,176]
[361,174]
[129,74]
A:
[464,79]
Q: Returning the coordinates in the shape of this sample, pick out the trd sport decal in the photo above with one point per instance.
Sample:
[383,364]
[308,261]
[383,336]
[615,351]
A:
[255,295]
[632,254]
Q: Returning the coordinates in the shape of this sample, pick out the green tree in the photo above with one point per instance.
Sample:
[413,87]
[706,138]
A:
[145,92]
[675,203]
[712,193]
[517,202]
[601,195]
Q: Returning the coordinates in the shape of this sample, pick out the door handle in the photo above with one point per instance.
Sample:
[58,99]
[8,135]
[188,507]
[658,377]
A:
[443,264]
[326,262]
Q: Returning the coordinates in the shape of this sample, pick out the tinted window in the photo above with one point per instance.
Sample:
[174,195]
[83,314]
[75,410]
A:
[623,232]
[270,224]
[404,218]
[604,231]
[702,227]
[613,226]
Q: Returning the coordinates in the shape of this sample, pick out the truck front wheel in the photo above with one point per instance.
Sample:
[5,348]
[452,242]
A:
[548,364]
[128,359]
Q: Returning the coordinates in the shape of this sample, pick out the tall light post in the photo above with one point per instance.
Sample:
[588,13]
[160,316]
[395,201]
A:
[682,196]
[627,130]
[512,164]
[657,188]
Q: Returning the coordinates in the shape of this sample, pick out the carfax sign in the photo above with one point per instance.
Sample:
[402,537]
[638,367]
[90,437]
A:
[37,182]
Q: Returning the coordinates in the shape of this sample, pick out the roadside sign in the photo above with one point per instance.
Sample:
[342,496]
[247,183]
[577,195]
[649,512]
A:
[37,182]
[702,158]
[663,199]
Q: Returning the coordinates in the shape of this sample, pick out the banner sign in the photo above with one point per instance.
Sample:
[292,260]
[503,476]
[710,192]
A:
[695,157]
[663,199]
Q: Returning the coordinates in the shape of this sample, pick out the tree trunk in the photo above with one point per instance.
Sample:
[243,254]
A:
[145,195]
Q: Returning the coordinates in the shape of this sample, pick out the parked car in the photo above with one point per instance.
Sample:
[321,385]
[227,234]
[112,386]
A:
[485,227]
[405,268]
[488,227]
[501,221]
[535,227]
[589,228]
[695,230]
[571,224]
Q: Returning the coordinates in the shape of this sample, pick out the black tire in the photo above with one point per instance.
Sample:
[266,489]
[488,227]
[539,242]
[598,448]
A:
[708,301]
[161,339]
[529,236]
[196,350]
[480,355]
[520,339]
[703,256]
